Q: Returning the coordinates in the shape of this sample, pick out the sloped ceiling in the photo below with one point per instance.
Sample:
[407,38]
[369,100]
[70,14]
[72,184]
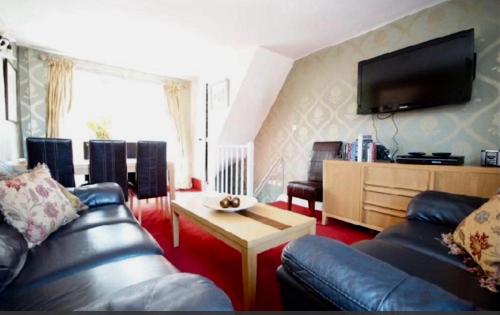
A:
[184,37]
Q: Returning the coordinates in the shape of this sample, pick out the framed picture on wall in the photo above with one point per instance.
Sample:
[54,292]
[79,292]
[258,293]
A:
[10,90]
[219,94]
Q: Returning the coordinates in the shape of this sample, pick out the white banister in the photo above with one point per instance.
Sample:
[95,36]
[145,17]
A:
[242,169]
[250,166]
[234,166]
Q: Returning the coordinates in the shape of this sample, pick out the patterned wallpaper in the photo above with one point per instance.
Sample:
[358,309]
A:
[32,77]
[318,99]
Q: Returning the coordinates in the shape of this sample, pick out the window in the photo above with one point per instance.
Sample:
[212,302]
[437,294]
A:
[136,110]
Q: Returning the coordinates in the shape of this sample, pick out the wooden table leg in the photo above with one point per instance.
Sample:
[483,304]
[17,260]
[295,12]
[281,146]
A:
[312,230]
[324,219]
[168,206]
[175,228]
[249,265]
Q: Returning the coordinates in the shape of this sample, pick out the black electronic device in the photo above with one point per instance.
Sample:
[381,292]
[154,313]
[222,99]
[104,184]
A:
[441,154]
[383,154]
[430,159]
[416,153]
[490,158]
[436,72]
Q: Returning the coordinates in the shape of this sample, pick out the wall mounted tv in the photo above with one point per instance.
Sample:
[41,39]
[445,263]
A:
[437,72]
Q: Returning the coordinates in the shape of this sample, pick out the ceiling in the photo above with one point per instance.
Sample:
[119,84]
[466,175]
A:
[177,37]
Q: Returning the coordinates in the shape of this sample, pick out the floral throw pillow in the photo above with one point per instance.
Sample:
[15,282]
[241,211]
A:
[34,205]
[478,235]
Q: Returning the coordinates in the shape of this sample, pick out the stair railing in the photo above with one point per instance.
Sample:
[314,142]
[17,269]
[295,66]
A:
[233,171]
[271,175]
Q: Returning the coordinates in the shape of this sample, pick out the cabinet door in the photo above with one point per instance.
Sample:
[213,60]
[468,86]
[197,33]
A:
[467,183]
[342,190]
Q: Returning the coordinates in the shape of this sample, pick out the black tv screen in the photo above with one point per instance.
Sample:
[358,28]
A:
[437,72]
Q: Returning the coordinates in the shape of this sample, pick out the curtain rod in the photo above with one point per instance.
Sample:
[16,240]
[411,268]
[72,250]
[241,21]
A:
[43,54]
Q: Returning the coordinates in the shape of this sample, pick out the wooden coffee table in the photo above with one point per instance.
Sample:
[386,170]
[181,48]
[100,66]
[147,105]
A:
[250,232]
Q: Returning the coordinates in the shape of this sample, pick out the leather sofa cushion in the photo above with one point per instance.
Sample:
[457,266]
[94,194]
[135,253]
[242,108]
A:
[424,237]
[451,278]
[351,280]
[442,208]
[92,217]
[13,252]
[86,286]
[99,194]
[309,190]
[84,249]
[185,292]
[297,297]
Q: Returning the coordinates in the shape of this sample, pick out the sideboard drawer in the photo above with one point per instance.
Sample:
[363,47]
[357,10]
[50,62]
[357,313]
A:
[397,178]
[379,218]
[389,201]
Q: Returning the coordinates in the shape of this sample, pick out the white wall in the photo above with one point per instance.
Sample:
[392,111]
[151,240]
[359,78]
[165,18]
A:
[9,139]
[232,65]
[255,79]
[263,80]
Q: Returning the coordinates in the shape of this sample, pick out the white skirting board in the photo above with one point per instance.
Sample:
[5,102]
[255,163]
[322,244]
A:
[300,202]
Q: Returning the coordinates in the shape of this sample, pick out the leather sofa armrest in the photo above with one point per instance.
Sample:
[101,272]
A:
[174,292]
[101,194]
[442,208]
[352,280]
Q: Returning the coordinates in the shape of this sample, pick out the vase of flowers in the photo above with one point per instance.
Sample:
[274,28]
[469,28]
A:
[100,129]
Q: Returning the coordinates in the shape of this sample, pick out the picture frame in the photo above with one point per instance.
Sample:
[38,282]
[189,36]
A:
[219,94]
[10,90]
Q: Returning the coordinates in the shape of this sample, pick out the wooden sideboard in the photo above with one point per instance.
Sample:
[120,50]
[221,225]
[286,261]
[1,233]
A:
[376,195]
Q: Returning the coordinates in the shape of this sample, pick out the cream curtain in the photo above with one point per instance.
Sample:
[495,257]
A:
[176,103]
[59,93]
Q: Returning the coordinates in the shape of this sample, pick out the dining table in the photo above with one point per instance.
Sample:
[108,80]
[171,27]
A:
[82,168]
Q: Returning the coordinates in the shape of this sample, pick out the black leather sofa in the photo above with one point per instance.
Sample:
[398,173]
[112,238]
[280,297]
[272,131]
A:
[104,260]
[404,268]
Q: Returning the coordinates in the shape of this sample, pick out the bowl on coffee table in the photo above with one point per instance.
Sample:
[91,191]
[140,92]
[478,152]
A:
[216,202]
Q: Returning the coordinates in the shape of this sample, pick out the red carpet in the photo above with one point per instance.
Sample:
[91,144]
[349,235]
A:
[203,254]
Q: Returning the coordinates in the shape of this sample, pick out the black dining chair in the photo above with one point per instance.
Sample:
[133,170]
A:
[150,174]
[57,154]
[312,188]
[131,150]
[108,163]
[131,154]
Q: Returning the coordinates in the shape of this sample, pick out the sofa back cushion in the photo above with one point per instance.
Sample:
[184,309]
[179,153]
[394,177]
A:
[13,252]
[442,208]
[354,281]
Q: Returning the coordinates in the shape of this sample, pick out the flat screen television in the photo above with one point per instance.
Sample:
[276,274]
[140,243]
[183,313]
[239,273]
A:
[436,72]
